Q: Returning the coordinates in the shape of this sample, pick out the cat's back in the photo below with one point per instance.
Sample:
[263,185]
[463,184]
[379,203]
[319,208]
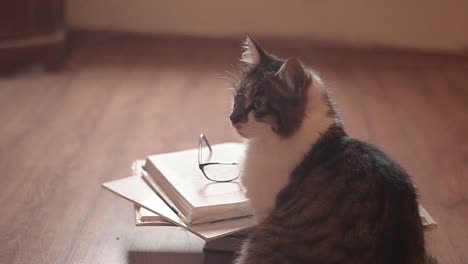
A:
[347,202]
[390,201]
[337,158]
[360,160]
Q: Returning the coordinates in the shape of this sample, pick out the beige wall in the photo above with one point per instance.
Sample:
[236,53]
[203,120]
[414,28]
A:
[429,24]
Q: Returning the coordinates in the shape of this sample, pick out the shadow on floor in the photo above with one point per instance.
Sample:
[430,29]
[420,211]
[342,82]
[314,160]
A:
[147,257]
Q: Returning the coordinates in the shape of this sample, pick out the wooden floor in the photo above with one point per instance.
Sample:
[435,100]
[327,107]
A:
[120,98]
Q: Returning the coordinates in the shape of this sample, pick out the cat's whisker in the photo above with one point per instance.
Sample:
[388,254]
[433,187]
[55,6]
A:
[233,75]
[234,68]
[234,78]
[232,82]
[232,89]
[239,72]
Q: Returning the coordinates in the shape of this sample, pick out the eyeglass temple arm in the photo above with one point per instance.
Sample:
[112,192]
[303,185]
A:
[203,137]
[200,143]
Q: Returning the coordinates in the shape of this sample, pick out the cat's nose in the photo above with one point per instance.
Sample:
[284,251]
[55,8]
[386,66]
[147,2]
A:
[234,118]
[238,116]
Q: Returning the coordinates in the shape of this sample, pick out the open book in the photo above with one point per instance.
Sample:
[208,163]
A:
[195,199]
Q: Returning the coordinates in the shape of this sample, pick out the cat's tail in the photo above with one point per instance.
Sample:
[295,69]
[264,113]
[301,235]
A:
[431,260]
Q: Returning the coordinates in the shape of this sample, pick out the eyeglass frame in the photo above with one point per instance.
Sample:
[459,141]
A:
[202,165]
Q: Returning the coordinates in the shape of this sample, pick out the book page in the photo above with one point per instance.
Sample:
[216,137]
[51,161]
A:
[182,172]
[144,217]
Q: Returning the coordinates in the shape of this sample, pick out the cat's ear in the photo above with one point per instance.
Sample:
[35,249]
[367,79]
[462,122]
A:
[293,74]
[252,53]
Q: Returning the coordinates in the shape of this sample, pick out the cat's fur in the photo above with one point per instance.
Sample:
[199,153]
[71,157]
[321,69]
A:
[319,196]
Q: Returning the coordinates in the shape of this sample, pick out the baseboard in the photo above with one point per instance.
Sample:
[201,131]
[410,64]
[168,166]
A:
[79,37]
[48,50]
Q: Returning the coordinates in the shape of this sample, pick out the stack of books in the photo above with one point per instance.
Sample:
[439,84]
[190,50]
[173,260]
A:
[169,189]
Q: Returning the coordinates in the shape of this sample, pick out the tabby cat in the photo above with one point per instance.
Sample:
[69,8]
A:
[319,196]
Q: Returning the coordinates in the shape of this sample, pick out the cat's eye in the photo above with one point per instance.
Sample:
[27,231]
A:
[258,104]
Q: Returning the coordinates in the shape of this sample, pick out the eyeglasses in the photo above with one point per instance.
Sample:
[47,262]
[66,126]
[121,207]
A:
[215,171]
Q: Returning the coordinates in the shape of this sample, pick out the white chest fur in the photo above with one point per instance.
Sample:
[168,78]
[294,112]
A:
[270,160]
[266,171]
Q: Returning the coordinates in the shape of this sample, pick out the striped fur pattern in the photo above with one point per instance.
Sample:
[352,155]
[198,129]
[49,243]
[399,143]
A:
[319,195]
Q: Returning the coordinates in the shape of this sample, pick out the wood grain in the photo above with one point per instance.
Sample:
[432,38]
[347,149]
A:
[121,98]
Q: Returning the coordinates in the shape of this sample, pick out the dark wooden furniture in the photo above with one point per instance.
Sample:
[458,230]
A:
[31,31]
